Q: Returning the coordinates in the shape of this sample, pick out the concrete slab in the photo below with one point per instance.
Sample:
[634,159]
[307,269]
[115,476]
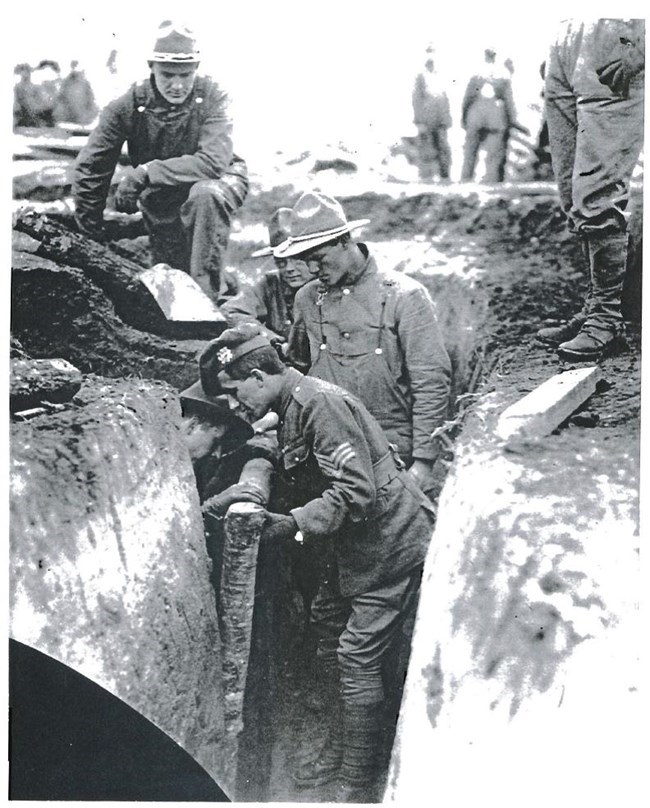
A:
[541,411]
[179,296]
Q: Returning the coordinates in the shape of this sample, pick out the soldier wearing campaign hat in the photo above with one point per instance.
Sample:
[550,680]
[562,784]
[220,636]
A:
[184,175]
[270,299]
[354,494]
[368,329]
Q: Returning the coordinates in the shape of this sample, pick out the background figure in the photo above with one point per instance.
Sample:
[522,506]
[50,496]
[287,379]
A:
[432,117]
[26,101]
[76,100]
[488,112]
[184,178]
[46,82]
[594,107]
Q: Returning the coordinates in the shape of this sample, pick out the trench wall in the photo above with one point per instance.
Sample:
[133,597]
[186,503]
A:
[524,669]
[110,573]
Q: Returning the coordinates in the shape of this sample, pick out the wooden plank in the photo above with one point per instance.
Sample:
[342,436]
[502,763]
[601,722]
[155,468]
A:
[542,410]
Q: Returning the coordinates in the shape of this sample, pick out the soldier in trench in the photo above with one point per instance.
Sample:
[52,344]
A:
[369,330]
[270,299]
[594,92]
[356,498]
[184,175]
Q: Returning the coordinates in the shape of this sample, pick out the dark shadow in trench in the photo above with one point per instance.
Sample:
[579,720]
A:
[70,739]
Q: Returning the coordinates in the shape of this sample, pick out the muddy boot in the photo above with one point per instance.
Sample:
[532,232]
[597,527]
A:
[607,257]
[325,767]
[359,770]
[554,335]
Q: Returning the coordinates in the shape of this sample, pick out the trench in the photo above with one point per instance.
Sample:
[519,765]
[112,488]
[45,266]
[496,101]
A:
[453,242]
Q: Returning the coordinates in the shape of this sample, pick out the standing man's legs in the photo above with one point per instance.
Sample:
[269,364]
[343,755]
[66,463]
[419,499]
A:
[473,138]
[443,151]
[496,151]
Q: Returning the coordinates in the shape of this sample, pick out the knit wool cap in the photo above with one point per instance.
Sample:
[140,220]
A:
[279,231]
[315,219]
[227,348]
[174,43]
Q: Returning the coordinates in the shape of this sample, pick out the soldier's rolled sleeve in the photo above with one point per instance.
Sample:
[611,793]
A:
[213,155]
[341,451]
[428,367]
[95,165]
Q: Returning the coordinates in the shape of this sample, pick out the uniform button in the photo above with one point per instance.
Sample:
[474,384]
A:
[346,335]
[346,291]
[323,347]
[295,457]
[378,351]
[298,389]
[287,322]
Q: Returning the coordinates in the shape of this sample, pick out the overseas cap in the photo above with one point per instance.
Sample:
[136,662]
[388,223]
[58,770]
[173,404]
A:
[228,348]
[175,43]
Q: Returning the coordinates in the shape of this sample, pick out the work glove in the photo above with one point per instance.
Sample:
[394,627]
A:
[129,189]
[248,491]
[93,230]
[627,60]
[277,527]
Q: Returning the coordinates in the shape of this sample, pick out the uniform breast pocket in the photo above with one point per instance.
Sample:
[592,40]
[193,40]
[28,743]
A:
[295,455]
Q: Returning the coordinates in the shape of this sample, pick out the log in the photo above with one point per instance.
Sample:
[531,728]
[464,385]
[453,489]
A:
[117,276]
[57,311]
[34,381]
[243,529]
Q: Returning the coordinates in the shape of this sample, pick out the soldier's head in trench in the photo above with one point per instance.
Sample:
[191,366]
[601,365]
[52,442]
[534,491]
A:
[174,61]
[294,273]
[243,365]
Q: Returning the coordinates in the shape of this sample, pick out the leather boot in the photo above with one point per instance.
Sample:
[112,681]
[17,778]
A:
[608,257]
[359,770]
[554,335]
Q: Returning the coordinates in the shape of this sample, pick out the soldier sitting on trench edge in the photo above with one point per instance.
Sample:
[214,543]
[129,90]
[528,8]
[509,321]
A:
[356,497]
[184,175]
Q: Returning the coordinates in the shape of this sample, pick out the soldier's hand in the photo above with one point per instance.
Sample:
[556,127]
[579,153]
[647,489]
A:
[239,492]
[277,527]
[129,189]
[627,60]
[421,472]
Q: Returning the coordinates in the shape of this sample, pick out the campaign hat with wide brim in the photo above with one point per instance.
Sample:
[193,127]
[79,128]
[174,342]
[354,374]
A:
[279,232]
[315,220]
[195,401]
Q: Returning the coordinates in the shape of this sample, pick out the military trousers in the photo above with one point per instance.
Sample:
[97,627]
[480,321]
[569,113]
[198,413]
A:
[595,134]
[360,631]
[189,226]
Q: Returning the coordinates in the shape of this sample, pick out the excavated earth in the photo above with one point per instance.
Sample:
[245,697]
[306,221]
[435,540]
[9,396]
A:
[499,264]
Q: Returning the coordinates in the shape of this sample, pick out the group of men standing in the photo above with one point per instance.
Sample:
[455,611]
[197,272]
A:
[347,354]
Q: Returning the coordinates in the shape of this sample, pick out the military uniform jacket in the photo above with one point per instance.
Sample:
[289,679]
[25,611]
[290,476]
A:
[379,521]
[181,143]
[378,338]
[268,300]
